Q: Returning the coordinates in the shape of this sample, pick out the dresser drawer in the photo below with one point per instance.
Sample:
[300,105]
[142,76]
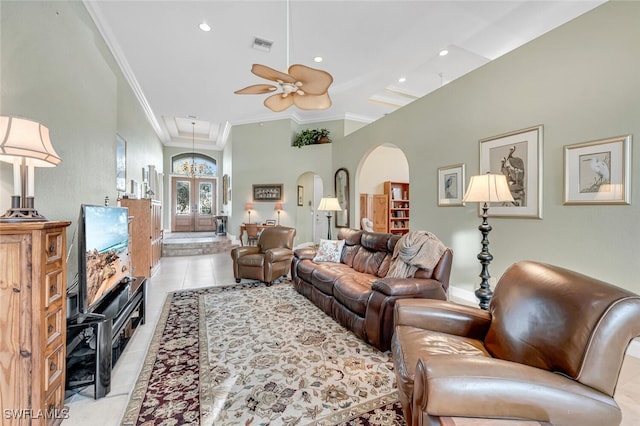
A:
[53,287]
[53,246]
[54,326]
[53,367]
[54,405]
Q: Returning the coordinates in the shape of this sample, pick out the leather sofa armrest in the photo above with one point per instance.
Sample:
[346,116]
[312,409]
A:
[523,392]
[305,253]
[443,316]
[278,254]
[238,252]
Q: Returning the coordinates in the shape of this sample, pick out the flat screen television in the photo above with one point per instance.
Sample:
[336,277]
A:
[103,254]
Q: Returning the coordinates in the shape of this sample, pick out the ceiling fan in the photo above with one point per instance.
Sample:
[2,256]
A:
[303,86]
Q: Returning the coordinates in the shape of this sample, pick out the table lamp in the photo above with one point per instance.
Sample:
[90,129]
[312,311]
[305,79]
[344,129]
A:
[487,188]
[329,204]
[25,144]
[278,208]
[248,207]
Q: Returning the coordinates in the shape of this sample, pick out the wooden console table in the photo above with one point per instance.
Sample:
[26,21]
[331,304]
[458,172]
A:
[243,229]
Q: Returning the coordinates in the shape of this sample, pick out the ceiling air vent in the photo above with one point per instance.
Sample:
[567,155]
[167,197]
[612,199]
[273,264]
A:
[262,44]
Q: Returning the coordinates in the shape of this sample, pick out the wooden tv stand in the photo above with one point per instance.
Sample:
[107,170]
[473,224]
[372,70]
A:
[96,341]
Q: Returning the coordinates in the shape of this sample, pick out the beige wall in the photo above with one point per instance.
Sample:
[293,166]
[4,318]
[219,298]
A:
[581,82]
[382,164]
[55,69]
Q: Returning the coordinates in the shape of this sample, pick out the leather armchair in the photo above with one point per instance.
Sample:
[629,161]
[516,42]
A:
[269,260]
[549,349]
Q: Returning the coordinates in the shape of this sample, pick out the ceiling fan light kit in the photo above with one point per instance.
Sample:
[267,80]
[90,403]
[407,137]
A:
[303,86]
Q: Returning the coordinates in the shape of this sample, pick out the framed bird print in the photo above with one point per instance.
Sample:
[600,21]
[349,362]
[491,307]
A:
[518,156]
[597,172]
[451,184]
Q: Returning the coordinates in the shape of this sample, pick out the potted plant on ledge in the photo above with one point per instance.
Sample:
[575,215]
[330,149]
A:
[311,137]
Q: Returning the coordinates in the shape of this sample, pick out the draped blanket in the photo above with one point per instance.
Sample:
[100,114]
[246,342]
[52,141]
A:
[415,250]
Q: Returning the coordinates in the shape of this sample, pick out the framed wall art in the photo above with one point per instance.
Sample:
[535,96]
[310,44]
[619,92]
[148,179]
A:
[341,187]
[517,155]
[121,164]
[267,192]
[597,172]
[451,184]
[300,195]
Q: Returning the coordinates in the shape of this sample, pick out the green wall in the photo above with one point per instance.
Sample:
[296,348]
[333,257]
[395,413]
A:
[580,82]
[57,70]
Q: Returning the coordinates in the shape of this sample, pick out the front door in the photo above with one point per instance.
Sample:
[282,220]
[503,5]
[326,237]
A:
[193,204]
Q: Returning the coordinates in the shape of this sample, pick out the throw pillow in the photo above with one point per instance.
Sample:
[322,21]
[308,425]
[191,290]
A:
[329,251]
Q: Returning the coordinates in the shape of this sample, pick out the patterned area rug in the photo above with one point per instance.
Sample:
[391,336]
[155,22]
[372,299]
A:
[256,355]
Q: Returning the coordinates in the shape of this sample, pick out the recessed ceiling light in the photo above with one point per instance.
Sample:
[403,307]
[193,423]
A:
[205,27]
[317,59]
[444,52]
[402,79]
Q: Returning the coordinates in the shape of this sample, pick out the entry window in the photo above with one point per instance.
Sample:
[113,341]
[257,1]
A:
[183,197]
[194,165]
[206,198]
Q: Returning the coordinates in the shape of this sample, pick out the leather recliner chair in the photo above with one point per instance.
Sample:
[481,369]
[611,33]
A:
[269,260]
[549,349]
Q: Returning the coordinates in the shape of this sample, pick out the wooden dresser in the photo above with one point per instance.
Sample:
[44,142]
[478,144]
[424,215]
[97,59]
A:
[32,322]
[146,236]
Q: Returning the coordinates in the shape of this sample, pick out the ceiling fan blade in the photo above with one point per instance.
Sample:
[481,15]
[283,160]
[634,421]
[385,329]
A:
[271,74]
[256,89]
[309,102]
[314,81]
[277,102]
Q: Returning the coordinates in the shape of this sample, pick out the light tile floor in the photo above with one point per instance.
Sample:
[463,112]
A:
[178,273]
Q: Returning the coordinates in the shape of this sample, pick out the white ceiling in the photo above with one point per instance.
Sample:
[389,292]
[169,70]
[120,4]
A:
[179,72]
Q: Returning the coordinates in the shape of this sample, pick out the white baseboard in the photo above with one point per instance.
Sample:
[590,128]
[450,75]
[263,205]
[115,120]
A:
[468,298]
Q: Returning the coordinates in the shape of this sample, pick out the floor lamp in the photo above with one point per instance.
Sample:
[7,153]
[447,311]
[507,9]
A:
[487,188]
[25,144]
[329,204]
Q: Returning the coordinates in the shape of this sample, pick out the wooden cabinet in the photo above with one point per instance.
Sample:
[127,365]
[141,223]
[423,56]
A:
[146,236]
[376,208]
[398,195]
[33,281]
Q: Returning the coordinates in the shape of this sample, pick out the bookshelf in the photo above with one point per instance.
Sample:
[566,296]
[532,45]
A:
[398,207]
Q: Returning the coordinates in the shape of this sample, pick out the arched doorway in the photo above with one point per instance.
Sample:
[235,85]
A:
[193,193]
[383,163]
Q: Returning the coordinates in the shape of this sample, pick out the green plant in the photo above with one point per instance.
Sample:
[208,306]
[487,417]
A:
[310,137]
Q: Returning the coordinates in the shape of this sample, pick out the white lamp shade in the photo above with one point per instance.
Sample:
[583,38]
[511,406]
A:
[329,204]
[22,138]
[488,188]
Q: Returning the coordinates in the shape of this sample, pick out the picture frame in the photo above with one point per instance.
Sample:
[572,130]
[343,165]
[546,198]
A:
[121,164]
[341,187]
[518,155]
[598,172]
[267,192]
[300,195]
[270,222]
[451,185]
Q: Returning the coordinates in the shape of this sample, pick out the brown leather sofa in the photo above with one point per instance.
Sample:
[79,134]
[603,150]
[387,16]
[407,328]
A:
[355,291]
[267,261]
[549,349]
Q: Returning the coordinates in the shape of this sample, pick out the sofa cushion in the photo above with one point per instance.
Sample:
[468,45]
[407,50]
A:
[367,261]
[351,239]
[324,275]
[352,290]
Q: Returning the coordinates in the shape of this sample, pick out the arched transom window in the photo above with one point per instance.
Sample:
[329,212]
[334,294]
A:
[194,164]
